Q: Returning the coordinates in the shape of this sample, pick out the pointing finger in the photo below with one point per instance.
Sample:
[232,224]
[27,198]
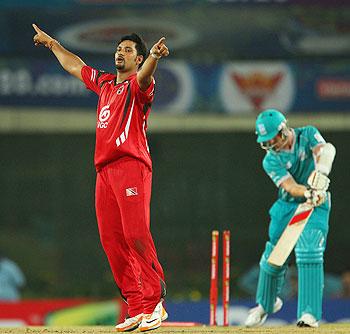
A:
[36,28]
[161,41]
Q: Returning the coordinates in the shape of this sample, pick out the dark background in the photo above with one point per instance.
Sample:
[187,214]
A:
[202,181]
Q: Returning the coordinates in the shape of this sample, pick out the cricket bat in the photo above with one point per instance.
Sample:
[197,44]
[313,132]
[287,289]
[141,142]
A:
[291,234]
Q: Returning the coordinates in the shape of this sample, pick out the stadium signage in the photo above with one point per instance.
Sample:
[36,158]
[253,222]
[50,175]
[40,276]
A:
[100,36]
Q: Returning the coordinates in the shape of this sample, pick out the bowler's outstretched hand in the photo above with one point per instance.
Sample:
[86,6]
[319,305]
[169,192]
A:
[160,49]
[41,37]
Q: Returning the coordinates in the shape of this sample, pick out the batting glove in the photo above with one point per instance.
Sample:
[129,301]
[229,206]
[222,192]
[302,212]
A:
[318,181]
[315,197]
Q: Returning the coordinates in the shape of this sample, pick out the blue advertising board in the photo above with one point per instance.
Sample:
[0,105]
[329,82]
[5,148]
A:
[334,310]
[322,86]
[42,82]
[181,87]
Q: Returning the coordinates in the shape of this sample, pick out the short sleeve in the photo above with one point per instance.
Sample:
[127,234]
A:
[89,76]
[94,79]
[146,96]
[275,169]
[314,136]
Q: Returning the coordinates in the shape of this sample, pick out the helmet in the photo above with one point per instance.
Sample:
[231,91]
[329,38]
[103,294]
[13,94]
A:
[268,124]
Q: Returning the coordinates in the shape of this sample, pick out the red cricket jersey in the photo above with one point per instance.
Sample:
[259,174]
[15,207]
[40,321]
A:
[122,113]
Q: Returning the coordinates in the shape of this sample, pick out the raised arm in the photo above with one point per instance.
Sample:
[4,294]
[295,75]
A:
[69,61]
[145,74]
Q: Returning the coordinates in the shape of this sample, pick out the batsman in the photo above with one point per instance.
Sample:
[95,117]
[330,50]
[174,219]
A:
[298,160]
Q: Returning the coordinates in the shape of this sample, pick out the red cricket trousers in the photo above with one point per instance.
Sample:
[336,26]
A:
[123,195]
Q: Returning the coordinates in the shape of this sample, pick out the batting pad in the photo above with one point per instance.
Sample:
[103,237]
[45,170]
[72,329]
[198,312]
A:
[270,282]
[309,255]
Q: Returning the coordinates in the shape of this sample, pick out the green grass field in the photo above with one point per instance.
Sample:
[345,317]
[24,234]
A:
[323,329]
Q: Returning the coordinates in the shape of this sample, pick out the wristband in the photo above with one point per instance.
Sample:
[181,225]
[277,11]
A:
[154,55]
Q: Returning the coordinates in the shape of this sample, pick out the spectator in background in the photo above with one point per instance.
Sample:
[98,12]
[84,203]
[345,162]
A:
[11,279]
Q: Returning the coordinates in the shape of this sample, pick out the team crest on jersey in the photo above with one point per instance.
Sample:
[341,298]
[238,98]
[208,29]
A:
[120,90]
[131,191]
[103,117]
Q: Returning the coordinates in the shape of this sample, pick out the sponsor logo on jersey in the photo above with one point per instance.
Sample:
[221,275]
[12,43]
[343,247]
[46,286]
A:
[131,191]
[103,117]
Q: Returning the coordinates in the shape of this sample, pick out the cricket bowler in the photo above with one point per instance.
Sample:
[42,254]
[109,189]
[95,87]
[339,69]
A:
[124,171]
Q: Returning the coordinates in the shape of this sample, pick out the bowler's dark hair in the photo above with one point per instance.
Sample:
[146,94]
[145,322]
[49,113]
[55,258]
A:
[140,45]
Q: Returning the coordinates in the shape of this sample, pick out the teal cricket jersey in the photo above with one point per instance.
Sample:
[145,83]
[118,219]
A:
[297,162]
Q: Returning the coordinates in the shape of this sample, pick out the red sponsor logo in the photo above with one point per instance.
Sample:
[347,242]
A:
[333,88]
[257,86]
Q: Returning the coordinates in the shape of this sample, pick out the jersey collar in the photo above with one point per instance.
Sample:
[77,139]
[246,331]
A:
[126,80]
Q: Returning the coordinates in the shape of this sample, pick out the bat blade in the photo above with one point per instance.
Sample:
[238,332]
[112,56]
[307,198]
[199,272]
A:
[290,235]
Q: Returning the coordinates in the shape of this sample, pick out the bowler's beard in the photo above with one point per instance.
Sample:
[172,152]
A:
[120,67]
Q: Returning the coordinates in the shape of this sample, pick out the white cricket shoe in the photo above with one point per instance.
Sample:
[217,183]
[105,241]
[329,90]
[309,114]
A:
[164,313]
[257,315]
[153,320]
[130,324]
[307,320]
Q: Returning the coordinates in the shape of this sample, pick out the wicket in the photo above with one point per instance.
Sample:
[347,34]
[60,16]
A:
[225,276]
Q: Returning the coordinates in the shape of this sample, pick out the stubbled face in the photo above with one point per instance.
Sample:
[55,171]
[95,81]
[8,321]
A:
[126,58]
[276,143]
